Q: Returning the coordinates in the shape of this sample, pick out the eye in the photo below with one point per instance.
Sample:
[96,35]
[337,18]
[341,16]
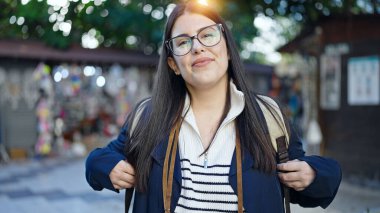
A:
[209,32]
[180,42]
[184,42]
[208,35]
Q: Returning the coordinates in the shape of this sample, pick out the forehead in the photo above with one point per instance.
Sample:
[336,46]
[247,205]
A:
[190,23]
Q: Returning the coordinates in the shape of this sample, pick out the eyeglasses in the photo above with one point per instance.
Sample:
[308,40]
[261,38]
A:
[208,36]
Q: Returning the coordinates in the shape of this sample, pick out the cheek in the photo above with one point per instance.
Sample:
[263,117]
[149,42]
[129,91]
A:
[182,63]
[223,56]
[222,50]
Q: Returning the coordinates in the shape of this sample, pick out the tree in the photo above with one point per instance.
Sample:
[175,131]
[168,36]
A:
[138,24]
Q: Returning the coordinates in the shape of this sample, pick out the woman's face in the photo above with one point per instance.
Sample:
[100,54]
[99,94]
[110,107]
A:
[203,67]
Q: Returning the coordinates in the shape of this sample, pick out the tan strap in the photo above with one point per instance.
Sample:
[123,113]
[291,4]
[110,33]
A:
[239,172]
[165,171]
[167,179]
[171,170]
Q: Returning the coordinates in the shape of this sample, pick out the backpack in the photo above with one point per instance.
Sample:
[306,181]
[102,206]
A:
[277,131]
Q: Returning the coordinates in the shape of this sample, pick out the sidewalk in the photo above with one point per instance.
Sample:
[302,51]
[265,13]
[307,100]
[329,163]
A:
[350,199]
[59,186]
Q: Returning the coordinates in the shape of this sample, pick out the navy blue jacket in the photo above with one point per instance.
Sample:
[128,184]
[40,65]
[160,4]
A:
[261,192]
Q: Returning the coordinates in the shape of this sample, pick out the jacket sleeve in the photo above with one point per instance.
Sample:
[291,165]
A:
[101,161]
[323,189]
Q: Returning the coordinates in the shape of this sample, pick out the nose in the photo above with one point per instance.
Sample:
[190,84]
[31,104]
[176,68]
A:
[197,46]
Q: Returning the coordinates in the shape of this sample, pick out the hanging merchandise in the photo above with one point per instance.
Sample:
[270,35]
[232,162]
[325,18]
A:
[122,107]
[115,80]
[43,145]
[75,79]
[62,84]
[78,101]
[127,94]
[92,106]
[44,109]
[42,75]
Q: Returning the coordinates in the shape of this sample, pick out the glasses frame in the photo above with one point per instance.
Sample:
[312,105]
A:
[220,28]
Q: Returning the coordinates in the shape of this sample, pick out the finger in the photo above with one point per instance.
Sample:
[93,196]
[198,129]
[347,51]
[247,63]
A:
[124,184]
[296,185]
[290,176]
[290,166]
[128,178]
[116,186]
[299,189]
[126,168]
[122,180]
[129,169]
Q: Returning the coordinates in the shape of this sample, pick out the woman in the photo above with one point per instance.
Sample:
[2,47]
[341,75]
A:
[178,148]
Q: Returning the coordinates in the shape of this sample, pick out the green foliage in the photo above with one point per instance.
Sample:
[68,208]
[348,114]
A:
[113,21]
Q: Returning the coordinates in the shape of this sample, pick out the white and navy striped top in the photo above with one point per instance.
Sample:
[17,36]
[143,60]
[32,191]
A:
[208,189]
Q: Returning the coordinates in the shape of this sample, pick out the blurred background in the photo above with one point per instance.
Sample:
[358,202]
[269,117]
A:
[71,70]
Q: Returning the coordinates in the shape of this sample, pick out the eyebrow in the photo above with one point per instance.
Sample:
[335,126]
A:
[187,35]
[183,34]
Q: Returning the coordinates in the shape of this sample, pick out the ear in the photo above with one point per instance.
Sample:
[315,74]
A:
[173,65]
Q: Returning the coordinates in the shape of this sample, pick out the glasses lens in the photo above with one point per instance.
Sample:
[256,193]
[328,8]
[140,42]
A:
[180,45]
[210,36]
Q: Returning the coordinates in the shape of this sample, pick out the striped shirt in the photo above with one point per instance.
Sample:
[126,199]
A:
[205,185]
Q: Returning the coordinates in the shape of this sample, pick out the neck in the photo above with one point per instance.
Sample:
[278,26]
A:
[211,99]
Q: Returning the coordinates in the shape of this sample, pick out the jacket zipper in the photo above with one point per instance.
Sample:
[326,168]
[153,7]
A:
[205,162]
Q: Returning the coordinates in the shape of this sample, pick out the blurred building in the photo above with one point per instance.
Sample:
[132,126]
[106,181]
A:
[52,98]
[56,102]
[339,58]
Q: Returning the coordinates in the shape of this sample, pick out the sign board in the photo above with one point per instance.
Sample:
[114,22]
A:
[363,81]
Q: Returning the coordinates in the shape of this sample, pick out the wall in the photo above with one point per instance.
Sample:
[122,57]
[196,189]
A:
[18,123]
[352,133]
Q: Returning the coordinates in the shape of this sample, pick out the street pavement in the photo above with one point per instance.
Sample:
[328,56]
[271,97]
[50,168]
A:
[59,186]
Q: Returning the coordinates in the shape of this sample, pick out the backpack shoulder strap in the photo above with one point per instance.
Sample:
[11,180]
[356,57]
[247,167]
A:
[279,136]
[275,121]
[139,111]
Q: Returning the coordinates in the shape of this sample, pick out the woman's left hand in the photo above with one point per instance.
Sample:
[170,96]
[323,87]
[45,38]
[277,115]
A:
[296,174]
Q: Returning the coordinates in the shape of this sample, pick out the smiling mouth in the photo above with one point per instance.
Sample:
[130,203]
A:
[202,63]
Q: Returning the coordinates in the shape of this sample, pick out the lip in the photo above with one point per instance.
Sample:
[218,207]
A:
[200,62]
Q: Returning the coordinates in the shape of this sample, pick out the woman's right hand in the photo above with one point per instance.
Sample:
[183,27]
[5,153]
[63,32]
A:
[122,175]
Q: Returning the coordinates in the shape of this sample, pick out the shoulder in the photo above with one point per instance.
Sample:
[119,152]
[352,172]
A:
[145,103]
[141,108]
[260,98]
[267,100]
[136,113]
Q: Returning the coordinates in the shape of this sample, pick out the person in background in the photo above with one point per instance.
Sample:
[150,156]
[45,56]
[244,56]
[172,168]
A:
[201,142]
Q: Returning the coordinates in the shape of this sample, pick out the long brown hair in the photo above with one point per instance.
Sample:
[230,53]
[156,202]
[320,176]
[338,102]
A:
[167,101]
